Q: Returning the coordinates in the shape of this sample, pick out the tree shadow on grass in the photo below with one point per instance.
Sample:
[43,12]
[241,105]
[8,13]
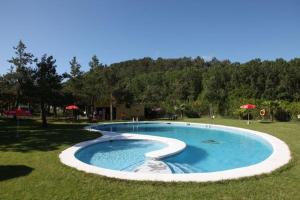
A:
[13,171]
[31,137]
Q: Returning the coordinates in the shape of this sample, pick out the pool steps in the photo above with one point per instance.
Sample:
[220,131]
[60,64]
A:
[153,167]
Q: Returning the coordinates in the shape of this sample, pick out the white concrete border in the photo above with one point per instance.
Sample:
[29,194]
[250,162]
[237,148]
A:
[280,156]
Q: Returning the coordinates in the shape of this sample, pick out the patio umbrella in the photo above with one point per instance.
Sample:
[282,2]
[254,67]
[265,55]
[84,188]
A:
[72,107]
[17,112]
[248,107]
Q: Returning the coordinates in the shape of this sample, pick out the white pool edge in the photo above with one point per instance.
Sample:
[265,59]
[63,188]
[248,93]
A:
[281,155]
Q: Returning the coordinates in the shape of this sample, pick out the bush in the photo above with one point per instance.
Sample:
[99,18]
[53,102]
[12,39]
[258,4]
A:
[244,116]
[237,113]
[192,114]
[282,115]
[294,108]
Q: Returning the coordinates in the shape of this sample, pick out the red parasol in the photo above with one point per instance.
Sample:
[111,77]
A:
[18,112]
[72,107]
[248,107]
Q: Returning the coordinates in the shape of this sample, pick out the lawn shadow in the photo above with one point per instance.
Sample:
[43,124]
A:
[13,171]
[32,137]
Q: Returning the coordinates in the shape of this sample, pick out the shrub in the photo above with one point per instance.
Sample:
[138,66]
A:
[282,115]
[192,114]
[294,108]
[244,116]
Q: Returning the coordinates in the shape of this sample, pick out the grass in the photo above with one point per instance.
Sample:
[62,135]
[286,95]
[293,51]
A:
[30,168]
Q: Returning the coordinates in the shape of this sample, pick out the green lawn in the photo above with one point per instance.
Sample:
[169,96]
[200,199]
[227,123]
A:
[30,168]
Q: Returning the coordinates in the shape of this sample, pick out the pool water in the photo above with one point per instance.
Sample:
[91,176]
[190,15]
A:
[207,150]
[124,155]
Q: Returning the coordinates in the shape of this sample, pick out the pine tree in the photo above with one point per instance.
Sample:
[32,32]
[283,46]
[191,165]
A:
[21,67]
[48,82]
[75,68]
[95,63]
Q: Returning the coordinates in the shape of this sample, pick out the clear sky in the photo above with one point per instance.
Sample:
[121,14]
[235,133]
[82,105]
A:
[117,30]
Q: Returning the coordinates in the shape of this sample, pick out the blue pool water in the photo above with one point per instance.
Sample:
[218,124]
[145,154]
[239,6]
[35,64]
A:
[124,155]
[208,149]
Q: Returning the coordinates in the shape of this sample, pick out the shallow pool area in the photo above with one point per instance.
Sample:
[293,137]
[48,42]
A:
[124,155]
[177,151]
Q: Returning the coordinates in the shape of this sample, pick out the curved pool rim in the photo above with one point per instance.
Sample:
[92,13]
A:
[280,156]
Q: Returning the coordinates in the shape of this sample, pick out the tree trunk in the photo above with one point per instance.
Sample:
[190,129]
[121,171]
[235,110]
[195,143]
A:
[48,109]
[272,115]
[111,108]
[55,111]
[18,97]
[92,110]
[43,112]
[17,102]
[74,115]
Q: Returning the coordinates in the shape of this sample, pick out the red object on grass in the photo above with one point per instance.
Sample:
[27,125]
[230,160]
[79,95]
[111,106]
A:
[248,106]
[18,112]
[72,107]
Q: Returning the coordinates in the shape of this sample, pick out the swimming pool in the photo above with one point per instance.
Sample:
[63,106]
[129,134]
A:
[179,152]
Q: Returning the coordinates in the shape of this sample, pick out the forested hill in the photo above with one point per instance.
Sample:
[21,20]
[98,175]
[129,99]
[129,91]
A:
[186,84]
[171,82]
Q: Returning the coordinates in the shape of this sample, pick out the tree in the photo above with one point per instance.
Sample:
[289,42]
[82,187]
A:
[216,90]
[111,80]
[272,107]
[75,83]
[95,63]
[8,89]
[21,67]
[181,108]
[75,68]
[93,87]
[48,82]
[122,94]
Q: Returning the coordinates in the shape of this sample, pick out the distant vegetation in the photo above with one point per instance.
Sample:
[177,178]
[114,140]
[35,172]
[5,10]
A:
[184,85]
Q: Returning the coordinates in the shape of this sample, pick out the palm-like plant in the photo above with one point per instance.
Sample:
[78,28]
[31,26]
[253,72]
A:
[272,107]
[181,108]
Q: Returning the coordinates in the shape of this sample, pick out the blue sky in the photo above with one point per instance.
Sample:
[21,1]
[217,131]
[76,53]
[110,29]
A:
[117,30]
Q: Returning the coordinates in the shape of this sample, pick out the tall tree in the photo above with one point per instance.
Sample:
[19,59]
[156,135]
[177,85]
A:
[75,83]
[93,87]
[111,81]
[21,66]
[75,68]
[95,63]
[48,82]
